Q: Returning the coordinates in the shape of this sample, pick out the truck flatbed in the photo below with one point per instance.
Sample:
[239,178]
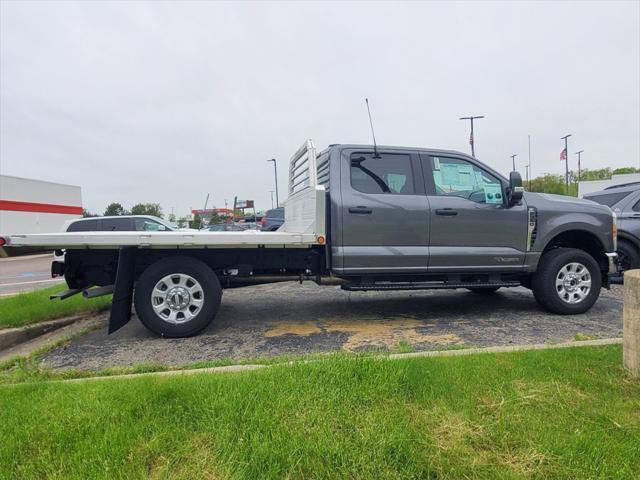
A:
[205,239]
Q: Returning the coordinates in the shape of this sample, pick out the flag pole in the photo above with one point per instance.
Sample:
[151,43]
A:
[471,138]
[566,162]
[529,172]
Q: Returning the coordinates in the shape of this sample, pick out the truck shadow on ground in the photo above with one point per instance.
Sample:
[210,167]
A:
[288,318]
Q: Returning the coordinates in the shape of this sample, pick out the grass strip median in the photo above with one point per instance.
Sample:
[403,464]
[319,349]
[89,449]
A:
[570,413]
[33,307]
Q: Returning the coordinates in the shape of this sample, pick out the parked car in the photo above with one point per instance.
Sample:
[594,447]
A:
[226,227]
[121,223]
[624,200]
[249,225]
[272,220]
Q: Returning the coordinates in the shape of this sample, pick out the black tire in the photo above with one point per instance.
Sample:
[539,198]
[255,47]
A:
[483,290]
[211,294]
[544,281]
[628,256]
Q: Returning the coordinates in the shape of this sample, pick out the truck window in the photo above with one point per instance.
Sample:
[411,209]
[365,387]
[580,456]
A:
[116,224]
[389,173]
[83,226]
[460,178]
[636,207]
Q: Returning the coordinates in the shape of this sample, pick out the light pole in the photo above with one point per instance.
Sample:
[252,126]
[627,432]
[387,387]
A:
[513,160]
[566,161]
[529,171]
[271,192]
[471,139]
[275,173]
[578,153]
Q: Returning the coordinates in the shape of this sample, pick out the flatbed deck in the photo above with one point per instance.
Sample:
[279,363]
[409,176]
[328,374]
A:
[178,239]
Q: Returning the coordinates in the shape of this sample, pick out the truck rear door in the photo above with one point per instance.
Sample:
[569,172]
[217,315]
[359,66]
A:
[384,213]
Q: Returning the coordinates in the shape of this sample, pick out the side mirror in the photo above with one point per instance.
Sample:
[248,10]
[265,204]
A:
[516,190]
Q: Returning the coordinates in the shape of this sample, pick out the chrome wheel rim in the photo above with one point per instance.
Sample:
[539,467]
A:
[573,283]
[177,298]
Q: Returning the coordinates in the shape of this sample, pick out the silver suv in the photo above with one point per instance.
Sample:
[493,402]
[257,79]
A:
[624,200]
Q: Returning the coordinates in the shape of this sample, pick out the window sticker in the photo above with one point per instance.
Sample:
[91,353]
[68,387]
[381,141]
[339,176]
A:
[449,174]
[465,176]
[436,163]
[396,181]
[493,193]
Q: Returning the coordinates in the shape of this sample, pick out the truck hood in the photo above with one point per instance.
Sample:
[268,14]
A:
[550,200]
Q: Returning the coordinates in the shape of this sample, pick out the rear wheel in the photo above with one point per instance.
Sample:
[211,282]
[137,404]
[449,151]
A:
[567,281]
[177,296]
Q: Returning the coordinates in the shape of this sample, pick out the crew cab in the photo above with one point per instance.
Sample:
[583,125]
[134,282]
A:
[373,218]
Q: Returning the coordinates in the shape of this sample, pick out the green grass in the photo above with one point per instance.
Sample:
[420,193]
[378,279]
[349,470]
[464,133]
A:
[570,413]
[34,307]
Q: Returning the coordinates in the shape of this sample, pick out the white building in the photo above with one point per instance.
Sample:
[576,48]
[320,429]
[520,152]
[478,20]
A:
[35,206]
[597,185]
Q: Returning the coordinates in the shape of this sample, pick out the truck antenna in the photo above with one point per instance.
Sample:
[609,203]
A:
[373,134]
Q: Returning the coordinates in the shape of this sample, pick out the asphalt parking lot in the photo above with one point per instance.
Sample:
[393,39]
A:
[288,318]
[24,274]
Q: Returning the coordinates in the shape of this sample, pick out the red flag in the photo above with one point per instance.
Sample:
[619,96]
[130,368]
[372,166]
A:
[563,154]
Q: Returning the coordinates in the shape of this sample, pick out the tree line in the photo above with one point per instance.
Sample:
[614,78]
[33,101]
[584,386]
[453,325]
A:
[154,209]
[555,183]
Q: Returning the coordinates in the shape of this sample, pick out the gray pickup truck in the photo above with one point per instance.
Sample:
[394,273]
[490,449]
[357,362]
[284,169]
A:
[372,218]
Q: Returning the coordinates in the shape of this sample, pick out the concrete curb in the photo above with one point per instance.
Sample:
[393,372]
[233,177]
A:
[506,348]
[395,356]
[10,337]
[46,340]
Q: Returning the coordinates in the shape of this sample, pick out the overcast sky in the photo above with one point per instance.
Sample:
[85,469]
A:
[166,102]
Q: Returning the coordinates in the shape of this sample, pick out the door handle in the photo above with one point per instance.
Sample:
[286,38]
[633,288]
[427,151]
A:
[360,210]
[447,212]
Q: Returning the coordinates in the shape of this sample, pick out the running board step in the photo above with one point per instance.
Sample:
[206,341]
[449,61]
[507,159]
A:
[359,287]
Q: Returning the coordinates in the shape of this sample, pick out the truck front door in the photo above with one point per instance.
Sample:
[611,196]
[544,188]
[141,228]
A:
[472,227]
[384,214]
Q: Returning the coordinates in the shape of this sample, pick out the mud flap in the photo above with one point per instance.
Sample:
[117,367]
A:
[123,291]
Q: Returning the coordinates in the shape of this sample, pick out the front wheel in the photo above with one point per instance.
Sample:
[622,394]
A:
[628,256]
[567,281]
[177,296]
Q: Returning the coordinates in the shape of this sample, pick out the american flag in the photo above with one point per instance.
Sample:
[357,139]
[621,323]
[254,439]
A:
[563,154]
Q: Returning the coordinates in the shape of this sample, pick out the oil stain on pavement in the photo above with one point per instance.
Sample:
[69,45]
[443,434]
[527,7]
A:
[366,333]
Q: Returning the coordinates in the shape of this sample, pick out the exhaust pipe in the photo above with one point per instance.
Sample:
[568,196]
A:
[97,292]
